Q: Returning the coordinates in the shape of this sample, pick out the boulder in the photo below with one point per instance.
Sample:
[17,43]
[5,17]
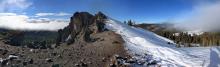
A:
[3,51]
[49,60]
[12,57]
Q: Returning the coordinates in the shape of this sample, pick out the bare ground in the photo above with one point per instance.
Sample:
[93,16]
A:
[94,54]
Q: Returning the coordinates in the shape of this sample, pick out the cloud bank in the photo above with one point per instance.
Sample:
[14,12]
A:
[23,22]
[52,14]
[205,17]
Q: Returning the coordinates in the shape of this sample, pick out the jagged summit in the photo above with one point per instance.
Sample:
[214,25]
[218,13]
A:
[101,15]
[81,25]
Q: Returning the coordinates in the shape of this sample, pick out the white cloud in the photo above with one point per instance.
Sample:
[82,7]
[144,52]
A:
[52,14]
[7,14]
[23,22]
[14,5]
[63,14]
[44,14]
[205,17]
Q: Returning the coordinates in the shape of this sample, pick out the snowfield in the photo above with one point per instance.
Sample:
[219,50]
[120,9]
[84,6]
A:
[150,47]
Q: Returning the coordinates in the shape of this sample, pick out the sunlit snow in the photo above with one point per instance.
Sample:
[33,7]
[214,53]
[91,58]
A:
[142,44]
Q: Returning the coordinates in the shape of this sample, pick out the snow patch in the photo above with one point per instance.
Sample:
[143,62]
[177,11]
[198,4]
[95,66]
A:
[195,32]
[145,44]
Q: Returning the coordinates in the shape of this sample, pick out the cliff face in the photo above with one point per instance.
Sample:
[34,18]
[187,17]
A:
[81,26]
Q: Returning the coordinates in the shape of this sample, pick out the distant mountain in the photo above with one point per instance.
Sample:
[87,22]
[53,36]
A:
[31,39]
[183,37]
[157,27]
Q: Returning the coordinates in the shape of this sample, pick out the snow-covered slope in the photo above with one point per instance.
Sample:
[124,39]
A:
[149,47]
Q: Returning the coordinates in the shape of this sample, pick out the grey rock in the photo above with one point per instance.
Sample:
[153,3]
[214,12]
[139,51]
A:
[80,28]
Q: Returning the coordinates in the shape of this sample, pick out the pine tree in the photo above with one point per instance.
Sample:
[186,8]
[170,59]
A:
[125,22]
[130,23]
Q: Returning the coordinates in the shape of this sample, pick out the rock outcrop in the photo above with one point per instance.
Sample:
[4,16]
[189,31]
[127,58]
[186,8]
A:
[80,28]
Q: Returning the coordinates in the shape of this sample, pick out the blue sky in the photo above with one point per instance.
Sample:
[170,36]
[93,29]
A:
[187,14]
[137,10]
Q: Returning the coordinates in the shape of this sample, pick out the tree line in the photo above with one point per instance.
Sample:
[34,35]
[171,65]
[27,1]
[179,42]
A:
[189,40]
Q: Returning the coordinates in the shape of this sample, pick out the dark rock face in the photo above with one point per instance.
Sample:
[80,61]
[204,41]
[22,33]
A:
[81,26]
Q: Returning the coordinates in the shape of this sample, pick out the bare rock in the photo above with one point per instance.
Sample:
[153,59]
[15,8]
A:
[81,26]
[3,51]
[49,60]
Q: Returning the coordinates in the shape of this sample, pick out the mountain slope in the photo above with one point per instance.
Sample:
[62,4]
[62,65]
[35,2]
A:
[149,47]
[83,43]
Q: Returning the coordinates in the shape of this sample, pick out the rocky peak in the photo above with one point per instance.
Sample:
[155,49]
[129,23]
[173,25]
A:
[100,15]
[81,26]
